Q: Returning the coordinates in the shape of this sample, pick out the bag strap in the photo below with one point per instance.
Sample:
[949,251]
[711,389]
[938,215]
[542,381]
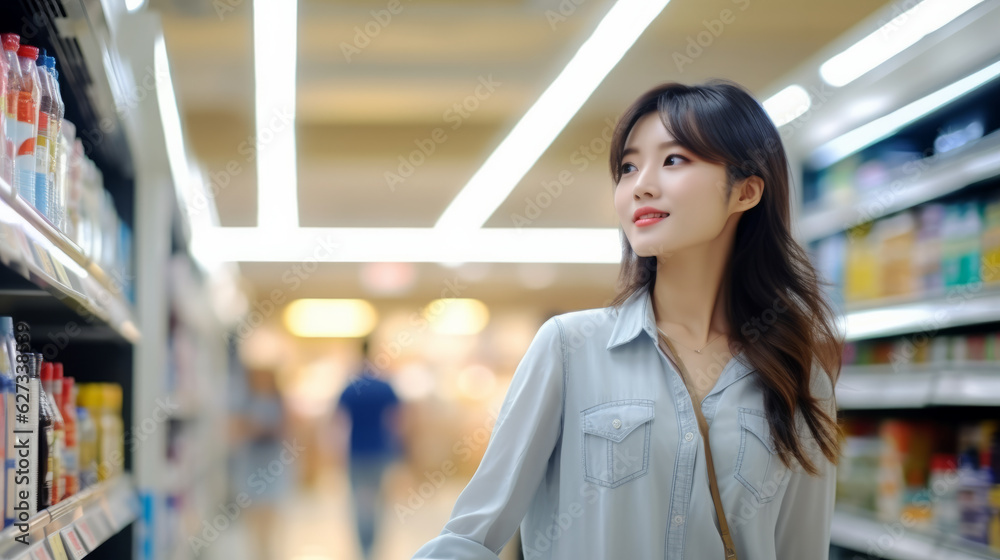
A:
[713,484]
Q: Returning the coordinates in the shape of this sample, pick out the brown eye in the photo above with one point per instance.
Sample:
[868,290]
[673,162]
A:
[674,159]
[625,167]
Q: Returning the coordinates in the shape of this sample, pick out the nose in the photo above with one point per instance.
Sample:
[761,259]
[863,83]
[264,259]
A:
[645,184]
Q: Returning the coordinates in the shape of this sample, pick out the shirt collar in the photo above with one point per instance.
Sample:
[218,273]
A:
[634,316]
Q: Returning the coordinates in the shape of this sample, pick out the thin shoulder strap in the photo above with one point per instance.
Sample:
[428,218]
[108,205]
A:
[713,484]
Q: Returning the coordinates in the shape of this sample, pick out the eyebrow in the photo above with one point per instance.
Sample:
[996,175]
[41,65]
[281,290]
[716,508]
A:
[667,144]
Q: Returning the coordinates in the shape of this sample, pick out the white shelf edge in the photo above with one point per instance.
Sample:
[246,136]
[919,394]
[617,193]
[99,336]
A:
[961,306]
[113,502]
[919,385]
[862,533]
[65,263]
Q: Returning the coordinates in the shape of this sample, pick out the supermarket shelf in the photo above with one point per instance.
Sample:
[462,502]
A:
[945,174]
[88,519]
[927,313]
[41,253]
[918,386]
[861,532]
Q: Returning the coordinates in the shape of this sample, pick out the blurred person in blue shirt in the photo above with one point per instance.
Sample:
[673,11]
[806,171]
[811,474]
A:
[371,407]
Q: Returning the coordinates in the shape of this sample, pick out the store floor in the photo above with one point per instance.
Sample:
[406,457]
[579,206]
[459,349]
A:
[317,523]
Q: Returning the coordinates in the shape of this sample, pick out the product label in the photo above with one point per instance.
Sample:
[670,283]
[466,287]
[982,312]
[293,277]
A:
[24,137]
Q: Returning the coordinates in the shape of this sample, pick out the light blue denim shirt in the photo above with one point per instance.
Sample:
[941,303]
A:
[596,453]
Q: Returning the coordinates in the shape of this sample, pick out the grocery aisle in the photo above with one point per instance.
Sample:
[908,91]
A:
[231,229]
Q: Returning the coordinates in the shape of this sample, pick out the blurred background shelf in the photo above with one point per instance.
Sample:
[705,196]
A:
[918,182]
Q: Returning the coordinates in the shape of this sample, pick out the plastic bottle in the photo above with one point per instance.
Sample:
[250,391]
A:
[58,433]
[71,457]
[111,453]
[87,444]
[45,139]
[944,488]
[7,417]
[56,210]
[12,91]
[6,162]
[27,123]
[43,435]
[973,499]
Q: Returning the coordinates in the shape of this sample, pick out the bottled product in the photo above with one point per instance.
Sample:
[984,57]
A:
[112,451]
[973,499]
[71,457]
[58,433]
[898,238]
[928,256]
[27,123]
[46,439]
[12,93]
[86,443]
[44,139]
[991,242]
[6,162]
[41,436]
[7,369]
[943,485]
[56,198]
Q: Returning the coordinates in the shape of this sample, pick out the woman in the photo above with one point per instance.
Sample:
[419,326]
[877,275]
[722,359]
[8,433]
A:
[597,451]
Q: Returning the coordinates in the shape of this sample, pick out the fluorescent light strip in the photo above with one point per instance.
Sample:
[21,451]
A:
[275,29]
[864,136]
[788,104]
[173,132]
[891,39]
[536,130]
[528,245]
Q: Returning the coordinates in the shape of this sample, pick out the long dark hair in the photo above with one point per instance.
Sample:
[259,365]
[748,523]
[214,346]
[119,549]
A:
[768,275]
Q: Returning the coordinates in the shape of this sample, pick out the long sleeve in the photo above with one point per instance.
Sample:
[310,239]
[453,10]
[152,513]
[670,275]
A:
[803,526]
[529,424]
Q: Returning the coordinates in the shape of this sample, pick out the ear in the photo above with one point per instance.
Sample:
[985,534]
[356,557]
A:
[748,193]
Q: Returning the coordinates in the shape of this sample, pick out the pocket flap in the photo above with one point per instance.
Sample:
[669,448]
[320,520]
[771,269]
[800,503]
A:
[755,422]
[615,420]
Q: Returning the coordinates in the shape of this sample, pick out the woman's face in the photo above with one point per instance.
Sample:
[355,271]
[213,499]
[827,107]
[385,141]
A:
[660,174]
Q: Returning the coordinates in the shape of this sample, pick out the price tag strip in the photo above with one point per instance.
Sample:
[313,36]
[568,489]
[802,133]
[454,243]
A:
[56,545]
[86,533]
[74,547]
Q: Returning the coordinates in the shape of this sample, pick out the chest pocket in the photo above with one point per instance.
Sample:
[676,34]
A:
[758,466]
[616,441]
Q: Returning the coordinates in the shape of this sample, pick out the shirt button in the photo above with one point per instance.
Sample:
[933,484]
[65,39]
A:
[688,436]
[678,519]
[616,423]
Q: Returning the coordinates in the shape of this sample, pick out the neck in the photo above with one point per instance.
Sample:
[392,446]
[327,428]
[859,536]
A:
[689,299]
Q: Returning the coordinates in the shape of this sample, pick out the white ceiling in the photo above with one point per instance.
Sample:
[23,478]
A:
[355,118]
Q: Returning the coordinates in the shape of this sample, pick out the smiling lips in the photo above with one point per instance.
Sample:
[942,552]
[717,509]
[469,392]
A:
[647,216]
